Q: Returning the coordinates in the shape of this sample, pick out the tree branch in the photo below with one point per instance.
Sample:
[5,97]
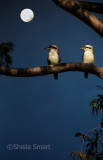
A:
[91,6]
[46,70]
[75,8]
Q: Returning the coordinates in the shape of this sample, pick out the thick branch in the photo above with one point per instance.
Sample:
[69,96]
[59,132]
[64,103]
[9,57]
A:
[46,70]
[74,7]
[91,6]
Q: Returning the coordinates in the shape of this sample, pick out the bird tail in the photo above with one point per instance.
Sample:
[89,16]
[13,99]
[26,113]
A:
[86,75]
[56,76]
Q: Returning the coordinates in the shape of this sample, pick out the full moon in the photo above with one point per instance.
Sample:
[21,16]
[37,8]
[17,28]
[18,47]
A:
[27,15]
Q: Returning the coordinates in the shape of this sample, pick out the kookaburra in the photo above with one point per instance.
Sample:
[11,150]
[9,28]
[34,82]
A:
[53,57]
[88,56]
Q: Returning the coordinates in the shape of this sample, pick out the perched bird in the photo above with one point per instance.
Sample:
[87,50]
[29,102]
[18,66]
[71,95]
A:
[88,56]
[53,57]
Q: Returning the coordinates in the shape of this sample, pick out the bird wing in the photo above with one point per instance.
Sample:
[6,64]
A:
[48,61]
[59,59]
[82,57]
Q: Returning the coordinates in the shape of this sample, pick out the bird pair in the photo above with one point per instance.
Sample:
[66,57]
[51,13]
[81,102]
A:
[54,58]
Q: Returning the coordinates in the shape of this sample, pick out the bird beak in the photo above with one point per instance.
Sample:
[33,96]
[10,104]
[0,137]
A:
[47,48]
[82,48]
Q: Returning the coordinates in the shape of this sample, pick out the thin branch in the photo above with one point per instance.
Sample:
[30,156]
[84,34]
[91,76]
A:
[46,70]
[82,145]
[95,127]
[100,87]
[75,8]
[85,135]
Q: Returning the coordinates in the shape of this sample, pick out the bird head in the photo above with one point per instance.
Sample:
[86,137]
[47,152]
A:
[87,48]
[53,47]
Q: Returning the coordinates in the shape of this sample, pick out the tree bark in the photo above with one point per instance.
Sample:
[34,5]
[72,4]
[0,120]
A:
[91,6]
[46,70]
[79,9]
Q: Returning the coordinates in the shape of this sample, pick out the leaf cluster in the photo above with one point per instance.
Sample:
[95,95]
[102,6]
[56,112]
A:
[5,49]
[97,104]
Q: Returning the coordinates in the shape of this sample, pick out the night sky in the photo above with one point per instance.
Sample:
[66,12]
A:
[40,110]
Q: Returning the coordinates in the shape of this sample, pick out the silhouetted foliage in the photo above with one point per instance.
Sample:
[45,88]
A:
[92,145]
[5,58]
[97,104]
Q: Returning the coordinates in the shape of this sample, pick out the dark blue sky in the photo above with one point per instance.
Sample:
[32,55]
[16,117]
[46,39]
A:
[40,110]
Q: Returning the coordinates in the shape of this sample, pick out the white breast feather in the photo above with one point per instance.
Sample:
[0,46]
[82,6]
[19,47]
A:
[88,57]
[53,57]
